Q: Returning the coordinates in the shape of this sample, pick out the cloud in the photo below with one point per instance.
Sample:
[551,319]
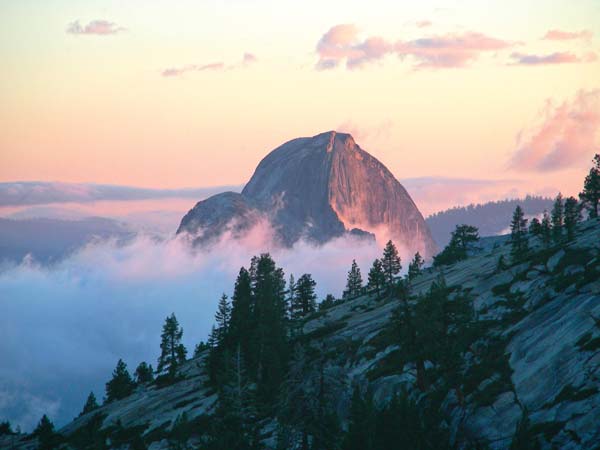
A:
[342,44]
[566,135]
[451,49]
[176,72]
[60,338]
[364,132]
[247,60]
[97,27]
[552,58]
[558,35]
[21,193]
[423,23]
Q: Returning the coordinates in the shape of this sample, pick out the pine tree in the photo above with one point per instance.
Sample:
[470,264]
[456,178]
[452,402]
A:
[236,412]
[200,348]
[306,412]
[5,428]
[172,350]
[327,302]
[501,264]
[413,433]
[91,404]
[535,227]
[241,323]
[462,237]
[415,266]
[572,216]
[223,319]
[590,196]
[269,337]
[121,384]
[291,295]
[47,437]
[376,277]
[144,373]
[354,281]
[304,302]
[361,423]
[391,262]
[557,218]
[546,227]
[444,328]
[518,234]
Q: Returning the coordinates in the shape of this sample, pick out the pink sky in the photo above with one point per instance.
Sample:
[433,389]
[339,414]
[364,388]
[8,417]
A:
[162,95]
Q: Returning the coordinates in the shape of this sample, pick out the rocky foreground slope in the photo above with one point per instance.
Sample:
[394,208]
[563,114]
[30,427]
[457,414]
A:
[539,354]
[316,188]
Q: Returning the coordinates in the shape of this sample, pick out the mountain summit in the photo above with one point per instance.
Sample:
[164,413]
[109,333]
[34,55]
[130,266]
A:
[316,188]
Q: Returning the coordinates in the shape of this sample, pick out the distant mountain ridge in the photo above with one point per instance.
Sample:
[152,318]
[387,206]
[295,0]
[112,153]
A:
[50,240]
[490,218]
[20,193]
[316,188]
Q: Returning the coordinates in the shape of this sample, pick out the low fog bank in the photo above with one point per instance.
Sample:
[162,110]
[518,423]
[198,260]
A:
[62,328]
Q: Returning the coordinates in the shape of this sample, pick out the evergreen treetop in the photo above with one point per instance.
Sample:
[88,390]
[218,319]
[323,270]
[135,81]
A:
[354,281]
[144,373]
[462,237]
[172,350]
[590,196]
[557,218]
[121,384]
[415,266]
[391,262]
[546,228]
[91,404]
[305,299]
[376,276]
[518,234]
[572,216]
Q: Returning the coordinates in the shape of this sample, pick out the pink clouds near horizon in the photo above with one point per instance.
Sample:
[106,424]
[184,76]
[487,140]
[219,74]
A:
[342,43]
[567,134]
[247,60]
[95,27]
[559,35]
[522,59]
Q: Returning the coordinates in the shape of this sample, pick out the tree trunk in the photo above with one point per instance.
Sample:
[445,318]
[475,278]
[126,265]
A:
[459,395]
[421,382]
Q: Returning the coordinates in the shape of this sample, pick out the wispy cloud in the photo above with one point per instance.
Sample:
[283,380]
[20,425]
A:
[178,71]
[423,23]
[362,132]
[97,27]
[566,135]
[451,49]
[559,35]
[522,59]
[247,60]
[342,44]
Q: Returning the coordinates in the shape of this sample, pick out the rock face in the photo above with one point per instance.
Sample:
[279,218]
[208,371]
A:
[316,188]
